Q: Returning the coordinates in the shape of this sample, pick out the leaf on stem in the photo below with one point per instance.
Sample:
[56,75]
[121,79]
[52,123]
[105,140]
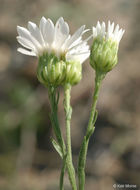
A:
[90,132]
[57,147]
[95,117]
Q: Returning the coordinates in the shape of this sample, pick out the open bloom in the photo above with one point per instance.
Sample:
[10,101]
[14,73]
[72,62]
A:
[50,38]
[104,51]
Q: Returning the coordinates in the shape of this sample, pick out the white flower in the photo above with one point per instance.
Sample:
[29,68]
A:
[115,34]
[104,51]
[48,38]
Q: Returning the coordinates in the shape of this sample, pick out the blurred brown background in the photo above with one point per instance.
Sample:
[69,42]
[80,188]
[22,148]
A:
[27,158]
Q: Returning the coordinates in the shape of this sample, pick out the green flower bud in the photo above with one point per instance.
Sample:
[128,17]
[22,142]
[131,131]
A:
[104,55]
[51,70]
[73,72]
[104,50]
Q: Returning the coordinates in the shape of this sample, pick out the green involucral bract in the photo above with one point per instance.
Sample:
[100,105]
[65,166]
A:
[103,55]
[52,71]
[73,72]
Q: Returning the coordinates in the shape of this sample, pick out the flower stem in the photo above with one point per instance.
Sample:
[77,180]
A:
[90,129]
[68,112]
[55,124]
[61,184]
[98,79]
[54,118]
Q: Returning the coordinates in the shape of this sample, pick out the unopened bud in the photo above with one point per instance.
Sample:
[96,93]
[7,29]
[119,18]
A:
[51,70]
[73,72]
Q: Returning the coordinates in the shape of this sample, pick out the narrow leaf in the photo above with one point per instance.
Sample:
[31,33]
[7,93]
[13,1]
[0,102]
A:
[95,117]
[57,147]
[90,133]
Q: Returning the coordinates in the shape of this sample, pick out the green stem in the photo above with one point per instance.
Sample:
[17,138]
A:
[62,174]
[90,129]
[55,124]
[54,118]
[68,112]
[98,79]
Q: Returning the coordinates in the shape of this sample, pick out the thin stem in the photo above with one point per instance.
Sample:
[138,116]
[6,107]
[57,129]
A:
[68,112]
[54,118]
[90,129]
[98,80]
[62,174]
[55,123]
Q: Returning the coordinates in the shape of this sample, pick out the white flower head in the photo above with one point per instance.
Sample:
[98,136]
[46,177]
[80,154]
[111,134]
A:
[50,38]
[113,33]
[104,50]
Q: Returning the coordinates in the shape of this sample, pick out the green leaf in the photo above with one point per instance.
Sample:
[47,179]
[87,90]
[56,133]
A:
[90,133]
[95,117]
[57,147]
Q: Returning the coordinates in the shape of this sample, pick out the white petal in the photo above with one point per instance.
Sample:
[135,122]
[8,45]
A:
[26,43]
[117,37]
[94,30]
[85,31]
[121,32]
[98,27]
[35,32]
[42,25]
[81,43]
[116,31]
[112,27]
[65,43]
[65,29]
[78,57]
[84,57]
[109,25]
[61,32]
[49,32]
[103,29]
[114,34]
[75,43]
[23,32]
[79,51]
[26,52]
[49,37]
[108,30]
[75,36]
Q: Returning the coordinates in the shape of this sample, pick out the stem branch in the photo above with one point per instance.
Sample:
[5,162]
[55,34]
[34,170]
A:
[68,112]
[90,129]
[55,124]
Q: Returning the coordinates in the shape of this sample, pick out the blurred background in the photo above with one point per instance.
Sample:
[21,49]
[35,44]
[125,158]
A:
[28,161]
